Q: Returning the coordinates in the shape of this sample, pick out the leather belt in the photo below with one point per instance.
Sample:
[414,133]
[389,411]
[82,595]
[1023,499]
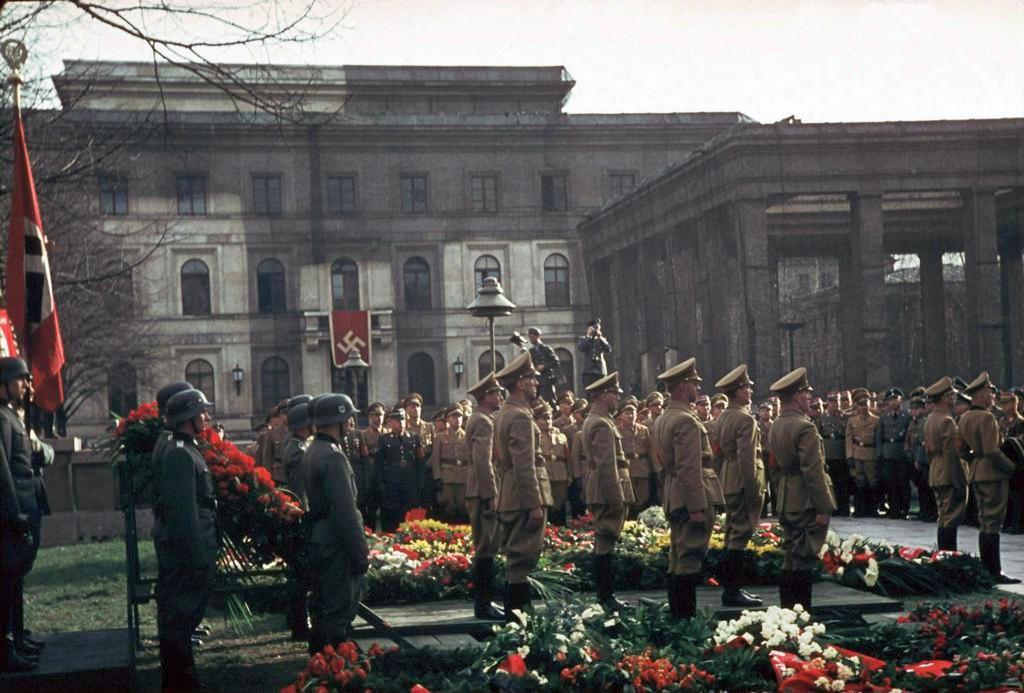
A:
[452,463]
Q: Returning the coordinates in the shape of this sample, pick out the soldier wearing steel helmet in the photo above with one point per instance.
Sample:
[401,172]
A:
[293,449]
[337,549]
[185,534]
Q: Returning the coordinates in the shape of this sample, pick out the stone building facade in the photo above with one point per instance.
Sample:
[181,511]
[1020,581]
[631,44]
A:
[393,190]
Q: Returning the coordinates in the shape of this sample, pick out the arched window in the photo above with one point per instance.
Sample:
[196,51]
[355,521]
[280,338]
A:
[486,266]
[565,362]
[484,362]
[199,372]
[270,291]
[345,285]
[416,280]
[122,389]
[556,281]
[421,376]
[195,288]
[274,385]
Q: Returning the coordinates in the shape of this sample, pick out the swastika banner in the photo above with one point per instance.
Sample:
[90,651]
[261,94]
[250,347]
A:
[350,329]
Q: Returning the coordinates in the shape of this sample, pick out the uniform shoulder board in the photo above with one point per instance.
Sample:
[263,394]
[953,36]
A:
[337,448]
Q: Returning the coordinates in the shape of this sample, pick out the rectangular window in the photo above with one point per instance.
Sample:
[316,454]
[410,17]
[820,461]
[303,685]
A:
[485,193]
[113,195]
[191,195]
[341,195]
[622,183]
[552,190]
[414,194]
[266,195]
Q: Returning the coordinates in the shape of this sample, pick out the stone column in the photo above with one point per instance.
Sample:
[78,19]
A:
[933,314]
[862,276]
[683,248]
[716,358]
[1013,267]
[760,297]
[981,270]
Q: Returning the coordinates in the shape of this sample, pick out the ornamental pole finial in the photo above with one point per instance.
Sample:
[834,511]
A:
[15,54]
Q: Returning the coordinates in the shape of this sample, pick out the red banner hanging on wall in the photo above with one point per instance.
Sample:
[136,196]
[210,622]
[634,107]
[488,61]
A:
[350,329]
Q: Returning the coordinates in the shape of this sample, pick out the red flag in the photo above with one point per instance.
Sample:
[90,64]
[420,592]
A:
[30,301]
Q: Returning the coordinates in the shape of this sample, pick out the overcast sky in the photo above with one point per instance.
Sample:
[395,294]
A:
[834,60]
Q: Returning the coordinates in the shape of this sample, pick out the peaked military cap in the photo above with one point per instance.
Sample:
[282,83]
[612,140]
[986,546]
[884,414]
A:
[719,400]
[566,396]
[439,413]
[833,396]
[791,383]
[580,404]
[397,413]
[484,387]
[978,383]
[959,383]
[541,410]
[453,410]
[655,397]
[1007,396]
[534,330]
[609,383]
[628,405]
[734,379]
[412,398]
[376,406]
[961,397]
[893,392]
[687,370]
[939,388]
[917,391]
[859,393]
[521,367]
[916,402]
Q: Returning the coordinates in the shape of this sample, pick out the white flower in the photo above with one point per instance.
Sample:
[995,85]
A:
[609,623]
[844,672]
[523,651]
[871,574]
[823,683]
[563,649]
[592,611]
[839,686]
[829,653]
[788,673]
[839,571]
[577,637]
[748,637]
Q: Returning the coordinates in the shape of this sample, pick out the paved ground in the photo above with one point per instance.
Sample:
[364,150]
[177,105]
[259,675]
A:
[913,533]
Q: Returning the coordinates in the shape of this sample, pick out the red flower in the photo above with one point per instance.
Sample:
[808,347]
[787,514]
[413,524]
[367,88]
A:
[513,665]
[418,689]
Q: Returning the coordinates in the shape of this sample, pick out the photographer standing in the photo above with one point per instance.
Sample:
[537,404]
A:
[595,346]
[545,360]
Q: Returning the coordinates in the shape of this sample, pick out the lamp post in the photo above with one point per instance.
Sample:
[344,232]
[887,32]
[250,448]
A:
[790,328]
[491,303]
[355,365]
[459,368]
[237,374]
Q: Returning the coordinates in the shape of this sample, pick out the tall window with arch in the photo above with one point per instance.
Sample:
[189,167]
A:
[345,285]
[556,281]
[484,363]
[486,266]
[270,291]
[416,284]
[568,367]
[195,288]
[421,376]
[199,373]
[274,382]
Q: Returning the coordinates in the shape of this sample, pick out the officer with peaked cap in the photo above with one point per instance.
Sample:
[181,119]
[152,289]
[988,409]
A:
[555,449]
[805,491]
[860,450]
[890,453]
[691,487]
[636,444]
[185,534]
[990,472]
[368,438]
[577,464]
[608,489]
[453,464]
[524,494]
[481,494]
[337,549]
[947,472]
[399,470]
[737,438]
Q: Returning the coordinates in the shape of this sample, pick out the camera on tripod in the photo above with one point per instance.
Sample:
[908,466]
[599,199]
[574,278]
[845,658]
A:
[519,340]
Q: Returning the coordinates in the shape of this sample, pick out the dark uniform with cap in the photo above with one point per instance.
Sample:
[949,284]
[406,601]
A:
[481,497]
[608,489]
[919,409]
[832,429]
[684,452]
[594,347]
[947,472]
[890,452]
[400,473]
[338,553]
[737,439]
[577,504]
[990,471]
[548,365]
[805,492]
[523,488]
[185,534]
[294,444]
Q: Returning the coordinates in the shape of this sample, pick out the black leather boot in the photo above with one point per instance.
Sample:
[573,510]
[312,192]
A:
[730,574]
[686,595]
[605,584]
[803,587]
[517,596]
[786,597]
[483,608]
[990,556]
[673,600]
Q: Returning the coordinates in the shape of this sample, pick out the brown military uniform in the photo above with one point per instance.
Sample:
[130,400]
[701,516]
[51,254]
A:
[738,439]
[608,489]
[555,449]
[681,444]
[522,486]
[453,462]
[804,489]
[860,447]
[990,470]
[636,444]
[268,453]
[947,473]
[481,485]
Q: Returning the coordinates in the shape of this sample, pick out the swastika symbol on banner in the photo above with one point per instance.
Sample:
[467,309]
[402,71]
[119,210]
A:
[350,341]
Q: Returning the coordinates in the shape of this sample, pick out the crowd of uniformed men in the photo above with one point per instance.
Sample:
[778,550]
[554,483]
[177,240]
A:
[508,463]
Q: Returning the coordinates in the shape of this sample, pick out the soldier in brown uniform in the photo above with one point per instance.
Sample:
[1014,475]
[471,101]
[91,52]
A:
[565,402]
[269,443]
[1011,423]
[990,472]
[691,487]
[555,448]
[860,450]
[481,492]
[947,473]
[608,490]
[805,492]
[368,438]
[655,402]
[453,464]
[636,444]
[702,407]
[579,412]
[738,441]
[771,472]
[524,494]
